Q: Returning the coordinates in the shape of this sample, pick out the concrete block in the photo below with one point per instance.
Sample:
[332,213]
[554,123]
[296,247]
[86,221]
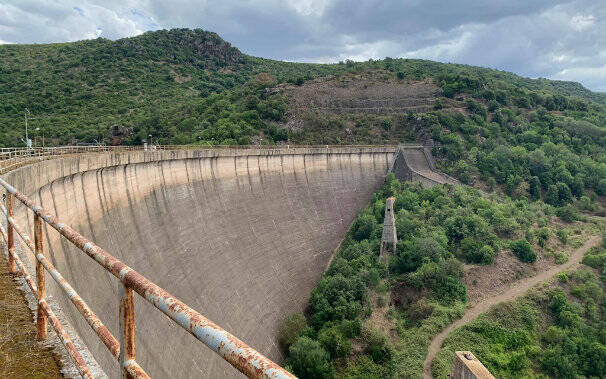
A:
[467,366]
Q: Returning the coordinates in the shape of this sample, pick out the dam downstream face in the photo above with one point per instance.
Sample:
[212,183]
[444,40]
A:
[242,240]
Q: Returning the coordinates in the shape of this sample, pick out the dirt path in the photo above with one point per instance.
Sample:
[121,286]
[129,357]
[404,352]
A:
[21,355]
[516,290]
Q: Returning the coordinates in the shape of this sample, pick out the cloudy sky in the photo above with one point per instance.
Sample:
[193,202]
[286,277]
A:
[556,39]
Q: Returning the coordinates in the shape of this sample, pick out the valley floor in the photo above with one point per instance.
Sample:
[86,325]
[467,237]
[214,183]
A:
[515,291]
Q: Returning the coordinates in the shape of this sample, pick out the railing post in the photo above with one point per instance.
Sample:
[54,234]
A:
[10,234]
[127,328]
[41,316]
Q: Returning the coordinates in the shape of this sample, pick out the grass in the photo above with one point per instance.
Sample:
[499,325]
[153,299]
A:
[411,350]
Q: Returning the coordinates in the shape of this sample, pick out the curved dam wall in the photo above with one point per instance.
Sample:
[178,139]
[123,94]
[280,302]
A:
[242,236]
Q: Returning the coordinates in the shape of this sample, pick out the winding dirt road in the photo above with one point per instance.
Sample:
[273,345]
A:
[516,290]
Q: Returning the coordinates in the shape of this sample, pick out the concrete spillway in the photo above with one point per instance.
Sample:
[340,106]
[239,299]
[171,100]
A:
[242,236]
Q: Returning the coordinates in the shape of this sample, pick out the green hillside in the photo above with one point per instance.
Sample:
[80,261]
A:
[177,85]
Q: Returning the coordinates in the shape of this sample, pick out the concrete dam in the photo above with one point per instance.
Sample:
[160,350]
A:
[242,236]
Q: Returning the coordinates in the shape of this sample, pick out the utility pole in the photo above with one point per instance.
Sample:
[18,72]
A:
[28,142]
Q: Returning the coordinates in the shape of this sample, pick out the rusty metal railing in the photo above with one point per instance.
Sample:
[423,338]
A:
[237,353]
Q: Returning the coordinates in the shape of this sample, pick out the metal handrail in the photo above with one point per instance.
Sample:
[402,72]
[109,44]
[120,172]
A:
[237,353]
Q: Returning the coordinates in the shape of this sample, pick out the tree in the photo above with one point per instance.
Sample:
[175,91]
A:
[564,193]
[334,342]
[511,185]
[524,251]
[568,213]
[290,329]
[552,197]
[535,187]
[577,186]
[363,227]
[309,360]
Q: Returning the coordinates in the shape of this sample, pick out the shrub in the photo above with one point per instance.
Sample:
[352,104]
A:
[309,360]
[452,289]
[363,227]
[542,235]
[586,204]
[334,342]
[595,260]
[561,258]
[351,328]
[487,255]
[365,368]
[475,252]
[377,345]
[524,251]
[290,329]
[552,196]
[568,213]
[535,188]
[562,235]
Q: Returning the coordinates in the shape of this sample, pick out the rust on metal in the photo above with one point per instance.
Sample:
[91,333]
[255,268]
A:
[134,370]
[237,353]
[127,329]
[40,314]
[91,318]
[65,340]
[11,236]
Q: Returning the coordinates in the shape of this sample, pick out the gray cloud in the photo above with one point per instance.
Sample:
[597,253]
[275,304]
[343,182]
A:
[560,39]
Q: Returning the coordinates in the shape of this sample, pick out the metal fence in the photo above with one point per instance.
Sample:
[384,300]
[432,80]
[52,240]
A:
[237,353]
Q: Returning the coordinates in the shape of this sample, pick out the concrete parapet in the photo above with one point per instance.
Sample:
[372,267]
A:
[467,366]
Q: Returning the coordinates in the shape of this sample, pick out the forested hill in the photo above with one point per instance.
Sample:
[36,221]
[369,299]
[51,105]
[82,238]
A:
[175,84]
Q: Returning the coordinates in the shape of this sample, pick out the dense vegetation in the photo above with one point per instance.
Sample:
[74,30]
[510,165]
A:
[558,331]
[189,86]
[439,229]
[528,151]
[144,85]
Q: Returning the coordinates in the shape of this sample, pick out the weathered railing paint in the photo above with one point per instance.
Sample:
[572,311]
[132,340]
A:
[79,362]
[11,236]
[237,353]
[93,320]
[40,280]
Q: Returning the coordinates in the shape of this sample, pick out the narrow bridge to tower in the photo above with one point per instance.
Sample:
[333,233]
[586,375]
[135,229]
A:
[416,164]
